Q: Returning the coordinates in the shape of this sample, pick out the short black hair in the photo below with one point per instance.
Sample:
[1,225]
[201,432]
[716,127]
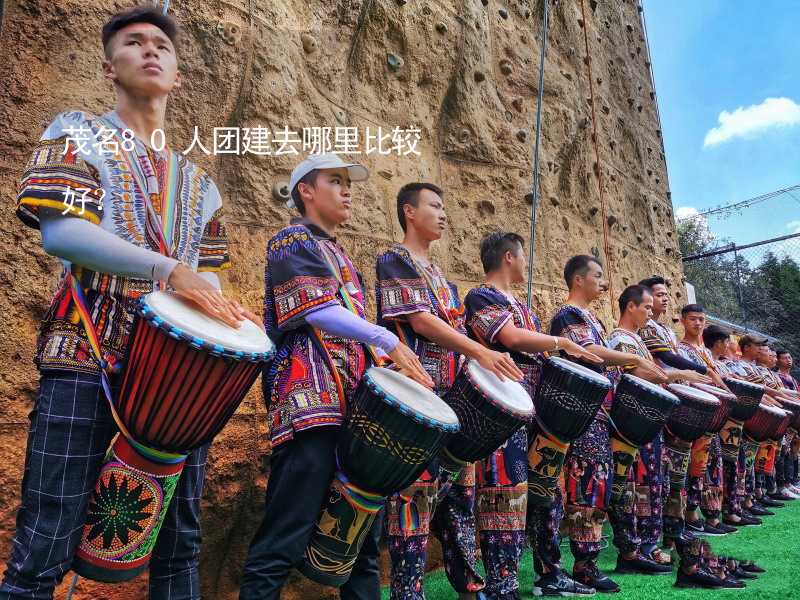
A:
[309,178]
[140,14]
[409,194]
[713,334]
[632,293]
[690,308]
[781,351]
[653,281]
[494,247]
[578,265]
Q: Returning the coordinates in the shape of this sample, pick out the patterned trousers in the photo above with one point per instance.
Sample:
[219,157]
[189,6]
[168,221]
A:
[71,429]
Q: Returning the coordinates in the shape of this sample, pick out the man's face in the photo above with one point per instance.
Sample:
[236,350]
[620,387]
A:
[518,264]
[142,61]
[784,361]
[427,218]
[592,283]
[642,313]
[720,347]
[660,298]
[693,323]
[329,195]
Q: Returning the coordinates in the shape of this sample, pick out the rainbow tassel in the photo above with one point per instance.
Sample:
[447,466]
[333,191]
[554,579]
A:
[409,516]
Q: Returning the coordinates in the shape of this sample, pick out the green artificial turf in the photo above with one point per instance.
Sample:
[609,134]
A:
[775,545]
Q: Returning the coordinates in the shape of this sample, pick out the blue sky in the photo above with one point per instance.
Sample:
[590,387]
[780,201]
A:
[741,58]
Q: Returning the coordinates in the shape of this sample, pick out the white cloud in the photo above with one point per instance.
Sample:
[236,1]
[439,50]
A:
[685,212]
[747,120]
[793,226]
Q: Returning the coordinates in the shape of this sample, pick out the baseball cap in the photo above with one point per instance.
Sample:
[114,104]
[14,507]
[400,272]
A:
[751,340]
[324,161]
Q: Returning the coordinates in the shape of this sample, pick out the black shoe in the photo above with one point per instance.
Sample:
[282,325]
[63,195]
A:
[781,497]
[699,579]
[697,527]
[747,515]
[770,502]
[742,522]
[713,530]
[751,567]
[726,528]
[592,577]
[641,565]
[759,511]
[740,573]
[558,583]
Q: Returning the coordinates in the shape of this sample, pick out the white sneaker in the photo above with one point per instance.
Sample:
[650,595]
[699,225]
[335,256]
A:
[795,488]
[789,492]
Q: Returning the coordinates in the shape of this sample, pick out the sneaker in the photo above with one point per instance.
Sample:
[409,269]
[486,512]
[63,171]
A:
[726,528]
[770,502]
[754,520]
[641,565]
[592,577]
[701,579]
[697,527]
[759,511]
[558,583]
[740,573]
[787,491]
[743,521]
[712,530]
[751,567]
[780,497]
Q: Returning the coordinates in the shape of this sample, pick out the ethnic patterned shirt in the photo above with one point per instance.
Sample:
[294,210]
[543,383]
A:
[72,160]
[699,355]
[314,373]
[404,286]
[630,342]
[658,337]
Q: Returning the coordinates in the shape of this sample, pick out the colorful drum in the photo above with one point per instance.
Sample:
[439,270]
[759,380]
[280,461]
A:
[394,428]
[748,397]
[566,402]
[489,412]
[727,400]
[792,407]
[638,414]
[769,423]
[185,375]
[694,415]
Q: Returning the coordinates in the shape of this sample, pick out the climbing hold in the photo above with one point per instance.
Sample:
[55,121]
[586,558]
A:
[280,191]
[464,135]
[629,27]
[386,174]
[593,211]
[309,43]
[565,223]
[517,103]
[231,33]
[509,116]
[441,27]
[426,10]
[503,13]
[479,76]
[340,116]
[402,2]
[395,62]
[506,67]
[527,13]
[529,198]
[522,135]
[611,220]
[606,109]
[485,2]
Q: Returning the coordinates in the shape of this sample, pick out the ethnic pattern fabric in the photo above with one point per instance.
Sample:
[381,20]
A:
[658,337]
[700,355]
[299,385]
[404,287]
[64,161]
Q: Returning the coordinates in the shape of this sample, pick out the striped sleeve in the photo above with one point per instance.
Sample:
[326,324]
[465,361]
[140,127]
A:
[213,253]
[651,338]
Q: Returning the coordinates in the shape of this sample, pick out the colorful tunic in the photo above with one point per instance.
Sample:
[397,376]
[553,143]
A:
[301,388]
[788,381]
[69,173]
[587,469]
[658,337]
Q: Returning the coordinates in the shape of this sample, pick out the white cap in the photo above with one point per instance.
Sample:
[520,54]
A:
[324,161]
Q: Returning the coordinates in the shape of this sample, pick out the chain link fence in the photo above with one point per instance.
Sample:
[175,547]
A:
[752,288]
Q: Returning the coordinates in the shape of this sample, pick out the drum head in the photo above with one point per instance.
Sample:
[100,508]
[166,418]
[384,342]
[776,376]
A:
[508,394]
[773,411]
[715,391]
[182,314]
[574,367]
[684,391]
[652,388]
[412,396]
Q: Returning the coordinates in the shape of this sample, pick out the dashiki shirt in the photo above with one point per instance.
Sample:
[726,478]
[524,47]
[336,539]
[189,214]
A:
[700,355]
[73,156]
[301,388]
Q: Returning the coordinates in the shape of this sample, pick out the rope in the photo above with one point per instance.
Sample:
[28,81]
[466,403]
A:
[598,171]
[72,585]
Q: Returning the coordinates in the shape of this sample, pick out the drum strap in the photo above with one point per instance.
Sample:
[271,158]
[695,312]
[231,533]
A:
[616,429]
[112,367]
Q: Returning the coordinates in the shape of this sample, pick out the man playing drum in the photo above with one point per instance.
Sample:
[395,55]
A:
[497,319]
[416,299]
[314,310]
[587,468]
[116,246]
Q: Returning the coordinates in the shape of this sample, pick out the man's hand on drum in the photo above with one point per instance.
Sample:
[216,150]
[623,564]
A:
[647,369]
[499,363]
[208,298]
[687,375]
[578,351]
[408,364]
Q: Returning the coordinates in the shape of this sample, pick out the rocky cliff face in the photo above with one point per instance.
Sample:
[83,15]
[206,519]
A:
[464,72]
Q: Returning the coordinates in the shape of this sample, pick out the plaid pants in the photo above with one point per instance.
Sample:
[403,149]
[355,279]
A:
[71,429]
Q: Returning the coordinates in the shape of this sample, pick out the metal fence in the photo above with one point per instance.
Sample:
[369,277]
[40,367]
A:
[753,287]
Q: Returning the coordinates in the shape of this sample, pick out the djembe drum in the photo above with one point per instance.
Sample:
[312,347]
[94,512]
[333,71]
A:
[185,375]
[637,415]
[793,407]
[566,402]
[764,430]
[689,421]
[394,427]
[701,446]
[489,411]
[748,397]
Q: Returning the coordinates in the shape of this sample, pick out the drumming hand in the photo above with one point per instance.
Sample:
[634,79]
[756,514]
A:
[647,369]
[209,299]
[408,364]
[578,351]
[499,363]
[716,379]
[688,375]
[243,313]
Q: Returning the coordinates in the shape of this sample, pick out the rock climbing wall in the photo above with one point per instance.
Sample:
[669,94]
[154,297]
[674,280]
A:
[464,72]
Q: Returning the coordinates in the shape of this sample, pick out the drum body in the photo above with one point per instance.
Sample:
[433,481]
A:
[727,401]
[792,407]
[748,397]
[769,423]
[638,414]
[489,412]
[566,402]
[394,428]
[693,417]
[185,374]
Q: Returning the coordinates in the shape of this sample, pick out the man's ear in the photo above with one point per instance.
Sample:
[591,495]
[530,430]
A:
[408,211]
[108,70]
